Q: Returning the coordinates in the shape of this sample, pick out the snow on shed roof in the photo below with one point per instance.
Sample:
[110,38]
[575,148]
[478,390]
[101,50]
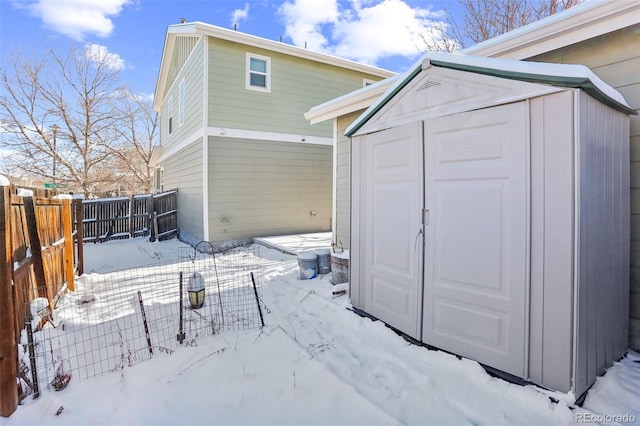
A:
[562,75]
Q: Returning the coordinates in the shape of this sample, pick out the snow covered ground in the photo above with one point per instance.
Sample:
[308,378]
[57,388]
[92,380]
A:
[315,362]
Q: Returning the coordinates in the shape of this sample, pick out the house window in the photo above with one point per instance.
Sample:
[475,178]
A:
[170,114]
[258,73]
[181,102]
[158,180]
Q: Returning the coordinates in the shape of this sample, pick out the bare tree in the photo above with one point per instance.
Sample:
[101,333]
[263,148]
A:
[441,37]
[64,120]
[485,19]
[137,134]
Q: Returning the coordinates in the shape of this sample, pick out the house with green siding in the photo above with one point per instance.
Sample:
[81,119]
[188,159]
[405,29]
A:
[233,137]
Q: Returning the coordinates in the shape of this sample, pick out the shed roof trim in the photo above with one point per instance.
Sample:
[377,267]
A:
[350,102]
[563,75]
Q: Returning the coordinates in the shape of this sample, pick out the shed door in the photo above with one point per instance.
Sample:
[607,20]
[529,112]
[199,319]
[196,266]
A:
[391,226]
[476,239]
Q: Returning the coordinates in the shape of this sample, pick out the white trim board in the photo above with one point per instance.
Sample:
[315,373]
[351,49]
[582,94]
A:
[192,138]
[226,132]
[582,22]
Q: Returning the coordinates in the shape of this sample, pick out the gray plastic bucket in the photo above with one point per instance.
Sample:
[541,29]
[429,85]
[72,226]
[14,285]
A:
[340,267]
[324,261]
[307,265]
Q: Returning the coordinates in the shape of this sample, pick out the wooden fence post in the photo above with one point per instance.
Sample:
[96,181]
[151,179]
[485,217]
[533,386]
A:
[130,221]
[8,341]
[80,234]
[67,229]
[151,218]
[36,249]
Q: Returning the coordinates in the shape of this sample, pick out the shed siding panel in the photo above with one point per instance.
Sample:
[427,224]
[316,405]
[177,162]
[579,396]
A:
[552,236]
[184,171]
[193,118]
[615,58]
[296,86]
[603,242]
[260,188]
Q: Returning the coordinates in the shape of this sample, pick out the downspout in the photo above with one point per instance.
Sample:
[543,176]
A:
[334,202]
[205,139]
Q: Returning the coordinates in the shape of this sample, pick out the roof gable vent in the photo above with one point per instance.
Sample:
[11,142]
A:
[427,84]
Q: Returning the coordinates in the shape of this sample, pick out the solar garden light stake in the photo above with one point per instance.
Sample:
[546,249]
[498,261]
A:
[181,335]
[195,285]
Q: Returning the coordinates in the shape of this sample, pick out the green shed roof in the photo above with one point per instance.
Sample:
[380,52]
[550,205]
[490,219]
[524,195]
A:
[560,75]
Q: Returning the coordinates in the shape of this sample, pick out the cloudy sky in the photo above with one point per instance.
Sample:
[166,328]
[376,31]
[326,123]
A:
[386,33]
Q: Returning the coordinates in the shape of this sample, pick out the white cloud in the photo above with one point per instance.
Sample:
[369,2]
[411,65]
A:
[77,18]
[304,20]
[363,30]
[99,53]
[239,15]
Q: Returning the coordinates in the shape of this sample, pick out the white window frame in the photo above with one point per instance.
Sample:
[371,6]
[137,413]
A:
[170,115]
[181,100]
[158,178]
[267,75]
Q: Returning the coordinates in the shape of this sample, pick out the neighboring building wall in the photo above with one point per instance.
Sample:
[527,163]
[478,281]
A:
[615,58]
[182,51]
[182,166]
[259,188]
[296,86]
[343,181]
[194,88]
[184,171]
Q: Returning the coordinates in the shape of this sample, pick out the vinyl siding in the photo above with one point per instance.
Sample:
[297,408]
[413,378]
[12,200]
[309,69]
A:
[615,58]
[194,86]
[260,188]
[343,202]
[552,240]
[184,171]
[603,215]
[182,49]
[296,86]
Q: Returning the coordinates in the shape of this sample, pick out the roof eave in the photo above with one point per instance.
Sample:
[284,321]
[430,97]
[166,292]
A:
[386,97]
[201,28]
[280,47]
[351,102]
[587,20]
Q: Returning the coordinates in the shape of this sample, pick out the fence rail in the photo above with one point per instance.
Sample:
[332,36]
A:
[38,265]
[38,262]
[152,215]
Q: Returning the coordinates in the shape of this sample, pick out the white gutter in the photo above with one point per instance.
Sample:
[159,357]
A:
[582,22]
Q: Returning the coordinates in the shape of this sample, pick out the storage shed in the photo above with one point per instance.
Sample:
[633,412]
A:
[490,215]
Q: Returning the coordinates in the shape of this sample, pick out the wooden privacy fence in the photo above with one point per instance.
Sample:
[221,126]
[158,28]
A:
[152,215]
[38,261]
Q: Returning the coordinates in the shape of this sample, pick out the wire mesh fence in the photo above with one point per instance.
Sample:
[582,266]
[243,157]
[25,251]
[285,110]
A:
[116,320]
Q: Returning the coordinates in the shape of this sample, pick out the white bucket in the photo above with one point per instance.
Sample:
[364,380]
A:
[324,261]
[340,267]
[307,265]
